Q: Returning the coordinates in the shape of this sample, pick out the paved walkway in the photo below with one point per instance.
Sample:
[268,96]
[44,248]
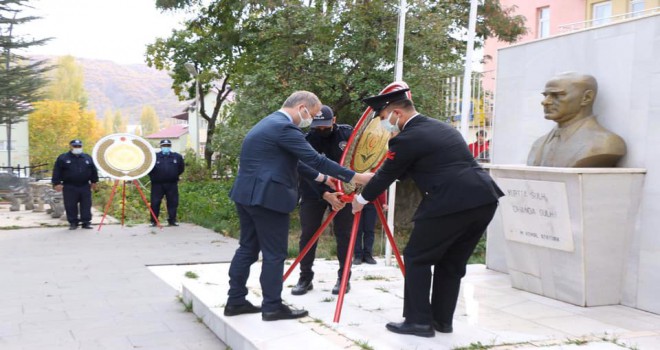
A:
[86,289]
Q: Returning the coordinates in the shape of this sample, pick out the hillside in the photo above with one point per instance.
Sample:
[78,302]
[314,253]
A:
[128,88]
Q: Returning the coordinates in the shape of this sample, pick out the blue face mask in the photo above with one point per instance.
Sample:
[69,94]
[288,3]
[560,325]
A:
[166,150]
[385,123]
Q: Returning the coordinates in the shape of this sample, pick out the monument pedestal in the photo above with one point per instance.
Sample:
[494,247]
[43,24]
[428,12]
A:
[564,233]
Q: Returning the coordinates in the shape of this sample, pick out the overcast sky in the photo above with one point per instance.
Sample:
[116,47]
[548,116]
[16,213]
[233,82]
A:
[115,30]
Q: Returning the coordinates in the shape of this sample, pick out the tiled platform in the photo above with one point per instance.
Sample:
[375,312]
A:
[29,218]
[490,314]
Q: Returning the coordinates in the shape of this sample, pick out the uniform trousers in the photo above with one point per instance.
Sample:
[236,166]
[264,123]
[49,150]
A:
[169,190]
[446,243]
[262,230]
[311,218]
[73,195]
[364,242]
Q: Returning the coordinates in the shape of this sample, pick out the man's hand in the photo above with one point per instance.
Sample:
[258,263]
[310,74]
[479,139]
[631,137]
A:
[357,207]
[93,186]
[362,178]
[385,207]
[333,199]
[330,182]
[58,188]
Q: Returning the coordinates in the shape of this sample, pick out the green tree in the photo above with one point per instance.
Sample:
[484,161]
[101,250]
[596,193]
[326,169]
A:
[67,82]
[119,123]
[149,120]
[21,79]
[108,118]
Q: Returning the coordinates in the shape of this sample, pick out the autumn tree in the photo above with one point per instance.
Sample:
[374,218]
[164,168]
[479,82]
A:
[53,124]
[67,82]
[149,120]
[20,78]
[119,123]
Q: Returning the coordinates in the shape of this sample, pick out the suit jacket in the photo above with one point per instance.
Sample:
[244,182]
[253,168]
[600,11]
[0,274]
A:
[583,143]
[437,158]
[267,172]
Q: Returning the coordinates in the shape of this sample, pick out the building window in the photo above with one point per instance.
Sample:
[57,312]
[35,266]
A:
[601,13]
[636,7]
[543,28]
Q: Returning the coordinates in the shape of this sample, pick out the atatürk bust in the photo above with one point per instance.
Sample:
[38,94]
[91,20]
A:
[577,140]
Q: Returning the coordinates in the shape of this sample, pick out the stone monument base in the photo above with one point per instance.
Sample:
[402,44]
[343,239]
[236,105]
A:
[564,233]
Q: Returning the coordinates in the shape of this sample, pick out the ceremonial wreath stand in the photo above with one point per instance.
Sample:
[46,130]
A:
[367,139]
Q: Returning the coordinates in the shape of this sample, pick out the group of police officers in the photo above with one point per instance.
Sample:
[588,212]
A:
[75,175]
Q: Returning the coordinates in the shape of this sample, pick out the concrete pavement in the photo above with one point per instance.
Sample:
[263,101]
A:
[86,289]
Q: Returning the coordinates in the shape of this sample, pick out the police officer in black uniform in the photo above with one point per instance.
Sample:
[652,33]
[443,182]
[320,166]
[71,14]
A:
[459,200]
[165,181]
[75,175]
[330,139]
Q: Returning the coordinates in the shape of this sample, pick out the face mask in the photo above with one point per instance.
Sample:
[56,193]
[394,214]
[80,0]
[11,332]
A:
[165,150]
[325,133]
[385,123]
[304,122]
[76,151]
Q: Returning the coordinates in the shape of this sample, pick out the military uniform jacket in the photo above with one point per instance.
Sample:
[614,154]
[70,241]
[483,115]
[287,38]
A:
[267,171]
[436,157]
[72,169]
[168,168]
[333,148]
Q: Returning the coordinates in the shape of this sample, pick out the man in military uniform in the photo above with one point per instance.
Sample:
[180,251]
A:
[75,175]
[329,139]
[165,181]
[459,200]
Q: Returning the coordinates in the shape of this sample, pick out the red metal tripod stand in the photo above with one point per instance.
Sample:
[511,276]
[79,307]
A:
[123,202]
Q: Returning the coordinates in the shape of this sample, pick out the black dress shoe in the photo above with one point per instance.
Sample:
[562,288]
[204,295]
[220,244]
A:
[357,260]
[172,223]
[335,289]
[442,327]
[153,224]
[73,226]
[302,287]
[369,259]
[420,330]
[248,308]
[284,313]
[87,225]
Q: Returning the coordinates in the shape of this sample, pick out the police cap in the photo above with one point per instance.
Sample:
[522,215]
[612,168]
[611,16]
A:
[323,119]
[379,102]
[165,142]
[76,143]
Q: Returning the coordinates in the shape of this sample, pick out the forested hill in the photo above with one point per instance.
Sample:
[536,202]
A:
[127,88]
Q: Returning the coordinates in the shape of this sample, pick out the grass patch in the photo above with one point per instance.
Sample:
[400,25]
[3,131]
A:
[190,274]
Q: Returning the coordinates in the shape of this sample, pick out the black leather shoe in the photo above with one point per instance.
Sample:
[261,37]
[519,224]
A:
[335,289]
[284,313]
[73,226]
[442,328]
[302,287]
[357,260]
[153,224]
[172,223]
[235,310]
[87,225]
[420,330]
[369,259]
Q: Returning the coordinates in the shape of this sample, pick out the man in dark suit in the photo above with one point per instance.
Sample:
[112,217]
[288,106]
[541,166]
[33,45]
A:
[265,192]
[165,182]
[459,201]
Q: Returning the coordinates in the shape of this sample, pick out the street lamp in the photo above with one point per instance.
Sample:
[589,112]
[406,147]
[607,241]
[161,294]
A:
[194,126]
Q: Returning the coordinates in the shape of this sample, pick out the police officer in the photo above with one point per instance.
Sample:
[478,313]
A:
[330,139]
[459,201]
[165,181]
[75,175]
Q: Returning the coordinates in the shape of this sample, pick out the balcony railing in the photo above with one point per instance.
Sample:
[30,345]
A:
[571,27]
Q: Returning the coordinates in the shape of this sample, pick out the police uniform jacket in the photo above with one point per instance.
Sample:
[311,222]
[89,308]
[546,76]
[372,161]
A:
[333,148]
[436,157]
[168,168]
[267,172]
[72,169]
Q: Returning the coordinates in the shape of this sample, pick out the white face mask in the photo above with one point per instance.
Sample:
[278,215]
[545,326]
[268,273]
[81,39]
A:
[304,122]
[385,123]
[76,150]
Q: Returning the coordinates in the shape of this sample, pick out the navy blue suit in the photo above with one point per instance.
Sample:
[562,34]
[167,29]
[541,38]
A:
[265,192]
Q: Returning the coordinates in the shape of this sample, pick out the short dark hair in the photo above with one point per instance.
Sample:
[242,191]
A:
[405,104]
[482,133]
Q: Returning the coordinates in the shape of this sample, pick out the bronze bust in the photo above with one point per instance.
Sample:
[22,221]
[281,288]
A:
[577,140]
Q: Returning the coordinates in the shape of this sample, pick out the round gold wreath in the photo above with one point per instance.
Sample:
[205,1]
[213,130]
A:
[100,156]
